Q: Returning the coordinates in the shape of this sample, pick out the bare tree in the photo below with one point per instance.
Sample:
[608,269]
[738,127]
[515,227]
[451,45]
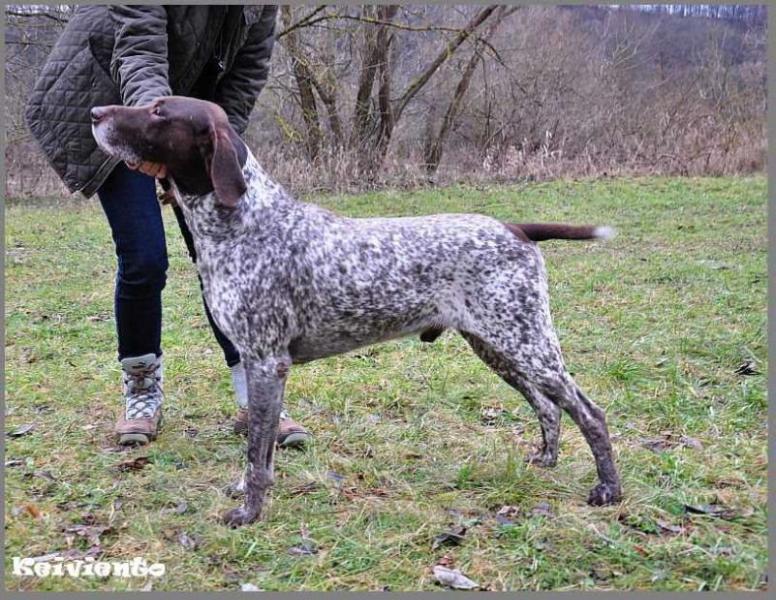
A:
[435,145]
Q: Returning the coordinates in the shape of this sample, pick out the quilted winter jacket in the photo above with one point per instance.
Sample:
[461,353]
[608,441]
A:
[130,55]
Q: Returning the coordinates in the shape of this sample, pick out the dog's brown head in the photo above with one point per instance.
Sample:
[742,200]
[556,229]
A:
[191,137]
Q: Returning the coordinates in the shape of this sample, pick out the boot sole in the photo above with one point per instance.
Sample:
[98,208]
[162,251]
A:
[139,439]
[294,440]
[133,439]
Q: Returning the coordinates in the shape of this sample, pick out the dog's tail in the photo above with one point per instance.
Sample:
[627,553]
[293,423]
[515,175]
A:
[538,232]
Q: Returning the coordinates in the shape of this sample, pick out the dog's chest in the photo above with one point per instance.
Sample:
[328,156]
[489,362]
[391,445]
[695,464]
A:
[245,292]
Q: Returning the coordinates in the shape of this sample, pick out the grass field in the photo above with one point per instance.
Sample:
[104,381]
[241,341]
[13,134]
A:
[413,439]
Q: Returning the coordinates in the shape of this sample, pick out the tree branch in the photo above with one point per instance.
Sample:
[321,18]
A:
[443,55]
[306,21]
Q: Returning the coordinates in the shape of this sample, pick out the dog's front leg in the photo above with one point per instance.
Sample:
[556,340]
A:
[266,380]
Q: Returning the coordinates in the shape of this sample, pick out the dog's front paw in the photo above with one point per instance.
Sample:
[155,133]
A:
[239,516]
[604,493]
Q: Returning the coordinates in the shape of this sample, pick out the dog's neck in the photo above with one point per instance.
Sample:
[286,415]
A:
[208,218]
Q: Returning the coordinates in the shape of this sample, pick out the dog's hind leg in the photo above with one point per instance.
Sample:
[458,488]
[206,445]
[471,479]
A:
[590,419]
[537,365]
[266,381]
[546,411]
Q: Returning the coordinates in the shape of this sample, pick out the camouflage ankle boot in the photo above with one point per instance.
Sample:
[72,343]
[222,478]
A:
[142,387]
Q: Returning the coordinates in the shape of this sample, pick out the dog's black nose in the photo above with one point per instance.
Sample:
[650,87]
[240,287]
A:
[98,113]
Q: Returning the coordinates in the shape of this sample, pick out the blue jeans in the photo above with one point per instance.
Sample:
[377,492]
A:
[134,214]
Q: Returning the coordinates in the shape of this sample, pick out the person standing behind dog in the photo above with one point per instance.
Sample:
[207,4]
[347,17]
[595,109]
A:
[132,55]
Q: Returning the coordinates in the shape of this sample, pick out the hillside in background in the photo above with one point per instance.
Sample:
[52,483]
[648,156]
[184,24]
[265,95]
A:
[385,96]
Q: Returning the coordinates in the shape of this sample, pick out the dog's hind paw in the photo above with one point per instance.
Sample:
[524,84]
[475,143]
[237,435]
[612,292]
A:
[541,459]
[239,516]
[603,494]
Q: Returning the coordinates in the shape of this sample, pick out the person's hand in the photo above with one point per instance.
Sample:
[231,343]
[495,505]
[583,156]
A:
[153,169]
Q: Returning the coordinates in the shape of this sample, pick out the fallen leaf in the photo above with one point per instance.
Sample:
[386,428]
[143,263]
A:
[69,554]
[187,541]
[669,440]
[670,528]
[713,510]
[134,464]
[691,442]
[453,578]
[306,548]
[92,533]
[747,368]
[44,475]
[453,537]
[729,482]
[21,430]
[507,514]
[32,510]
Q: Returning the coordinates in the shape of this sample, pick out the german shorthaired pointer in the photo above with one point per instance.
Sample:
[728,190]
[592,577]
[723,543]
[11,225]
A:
[290,282]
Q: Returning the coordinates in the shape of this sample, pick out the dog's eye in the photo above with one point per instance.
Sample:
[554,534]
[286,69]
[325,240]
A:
[157,111]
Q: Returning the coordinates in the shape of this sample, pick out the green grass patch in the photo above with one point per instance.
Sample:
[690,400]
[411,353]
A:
[412,438]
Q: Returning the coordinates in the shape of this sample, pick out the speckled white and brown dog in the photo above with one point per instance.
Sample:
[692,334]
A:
[290,282]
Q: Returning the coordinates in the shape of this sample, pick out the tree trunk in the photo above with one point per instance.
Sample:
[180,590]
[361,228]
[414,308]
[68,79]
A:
[377,61]
[368,137]
[434,149]
[304,82]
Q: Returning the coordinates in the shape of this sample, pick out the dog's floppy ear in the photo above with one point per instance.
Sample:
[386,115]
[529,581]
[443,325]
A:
[224,168]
